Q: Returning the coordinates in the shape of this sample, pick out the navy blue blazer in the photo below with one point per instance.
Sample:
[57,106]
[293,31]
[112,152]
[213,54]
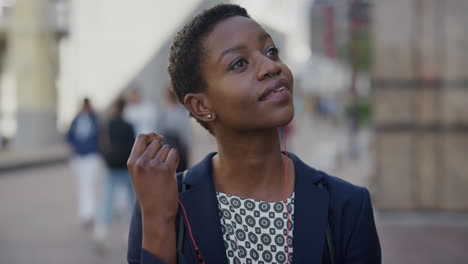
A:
[346,207]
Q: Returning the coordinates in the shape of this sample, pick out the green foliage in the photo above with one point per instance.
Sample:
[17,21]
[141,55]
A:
[363,43]
[364,111]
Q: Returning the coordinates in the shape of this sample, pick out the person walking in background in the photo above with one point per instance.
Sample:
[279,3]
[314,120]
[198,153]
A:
[174,125]
[140,113]
[83,137]
[116,144]
[1,134]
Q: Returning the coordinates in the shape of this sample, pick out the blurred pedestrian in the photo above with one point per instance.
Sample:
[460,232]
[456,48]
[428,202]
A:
[116,144]
[86,161]
[140,112]
[353,116]
[1,133]
[173,123]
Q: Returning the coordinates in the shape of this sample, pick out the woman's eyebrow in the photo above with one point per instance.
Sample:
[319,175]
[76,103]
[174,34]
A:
[235,48]
[263,37]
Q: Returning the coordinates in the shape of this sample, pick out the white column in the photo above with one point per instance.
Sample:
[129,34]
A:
[32,64]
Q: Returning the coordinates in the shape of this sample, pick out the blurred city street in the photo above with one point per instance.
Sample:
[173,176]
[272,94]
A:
[38,223]
[380,96]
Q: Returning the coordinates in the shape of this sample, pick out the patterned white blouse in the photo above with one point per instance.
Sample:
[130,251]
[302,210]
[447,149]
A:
[255,231]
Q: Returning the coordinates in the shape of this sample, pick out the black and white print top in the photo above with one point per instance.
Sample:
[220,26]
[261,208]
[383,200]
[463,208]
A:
[255,231]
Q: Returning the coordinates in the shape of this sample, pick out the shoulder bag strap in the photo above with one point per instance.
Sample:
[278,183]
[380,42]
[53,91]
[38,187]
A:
[329,234]
[180,241]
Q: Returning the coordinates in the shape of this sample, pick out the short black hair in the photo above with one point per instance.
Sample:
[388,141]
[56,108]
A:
[119,106]
[86,102]
[186,53]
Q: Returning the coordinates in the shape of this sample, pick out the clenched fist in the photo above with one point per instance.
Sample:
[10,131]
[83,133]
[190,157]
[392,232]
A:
[152,167]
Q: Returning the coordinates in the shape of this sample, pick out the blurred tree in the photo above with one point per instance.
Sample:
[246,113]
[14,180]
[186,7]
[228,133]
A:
[363,50]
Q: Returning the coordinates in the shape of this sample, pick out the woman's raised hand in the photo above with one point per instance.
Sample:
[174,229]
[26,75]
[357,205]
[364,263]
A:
[152,167]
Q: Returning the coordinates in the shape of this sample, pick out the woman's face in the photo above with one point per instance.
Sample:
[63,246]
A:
[248,86]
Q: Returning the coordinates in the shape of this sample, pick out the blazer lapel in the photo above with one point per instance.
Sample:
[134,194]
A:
[310,214]
[202,210]
[310,210]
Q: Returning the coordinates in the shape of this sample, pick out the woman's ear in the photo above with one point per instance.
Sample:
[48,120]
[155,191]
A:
[199,106]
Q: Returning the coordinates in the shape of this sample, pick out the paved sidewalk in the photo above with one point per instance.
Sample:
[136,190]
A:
[423,238]
[20,159]
[38,221]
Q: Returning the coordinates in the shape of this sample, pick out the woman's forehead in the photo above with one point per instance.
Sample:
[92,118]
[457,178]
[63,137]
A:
[231,32]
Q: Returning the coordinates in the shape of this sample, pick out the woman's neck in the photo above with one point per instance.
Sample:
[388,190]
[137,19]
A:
[251,165]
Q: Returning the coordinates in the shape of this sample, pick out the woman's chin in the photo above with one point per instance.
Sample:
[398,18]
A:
[288,117]
[287,122]
[285,119]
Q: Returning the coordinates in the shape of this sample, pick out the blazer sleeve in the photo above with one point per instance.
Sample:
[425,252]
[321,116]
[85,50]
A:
[364,245]
[135,253]
[134,237]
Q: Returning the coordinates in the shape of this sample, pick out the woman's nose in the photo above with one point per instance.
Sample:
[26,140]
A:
[267,67]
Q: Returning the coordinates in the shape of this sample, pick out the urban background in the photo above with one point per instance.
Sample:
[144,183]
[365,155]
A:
[381,98]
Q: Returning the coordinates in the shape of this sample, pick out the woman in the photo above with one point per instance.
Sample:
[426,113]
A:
[249,202]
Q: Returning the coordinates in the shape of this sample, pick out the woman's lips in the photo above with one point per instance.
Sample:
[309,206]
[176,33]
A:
[279,94]
[277,86]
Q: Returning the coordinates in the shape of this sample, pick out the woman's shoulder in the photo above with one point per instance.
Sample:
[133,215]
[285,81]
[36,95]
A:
[338,187]
[341,186]
[344,194]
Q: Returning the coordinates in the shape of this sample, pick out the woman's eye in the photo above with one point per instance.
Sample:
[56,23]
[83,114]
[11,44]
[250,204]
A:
[272,52]
[239,64]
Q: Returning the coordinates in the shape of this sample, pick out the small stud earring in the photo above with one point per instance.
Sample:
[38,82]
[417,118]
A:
[210,116]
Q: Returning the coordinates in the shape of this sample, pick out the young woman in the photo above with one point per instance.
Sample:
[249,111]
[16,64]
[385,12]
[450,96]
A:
[249,202]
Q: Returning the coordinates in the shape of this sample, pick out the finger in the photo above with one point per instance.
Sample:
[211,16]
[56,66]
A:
[142,141]
[152,149]
[138,147]
[162,154]
[152,136]
[172,159]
